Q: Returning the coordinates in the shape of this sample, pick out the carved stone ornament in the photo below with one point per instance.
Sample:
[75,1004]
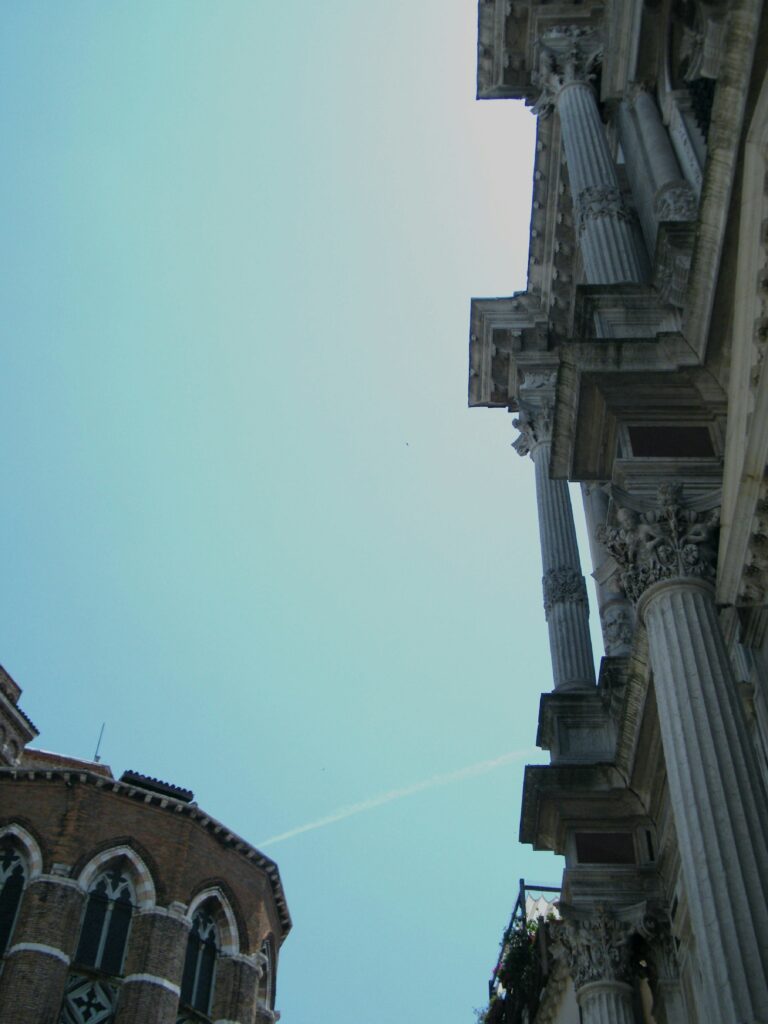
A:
[599,201]
[676,203]
[596,949]
[563,585]
[618,627]
[669,542]
[568,54]
[535,428]
[535,380]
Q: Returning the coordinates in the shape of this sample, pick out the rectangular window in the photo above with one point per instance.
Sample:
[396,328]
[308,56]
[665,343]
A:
[671,442]
[605,848]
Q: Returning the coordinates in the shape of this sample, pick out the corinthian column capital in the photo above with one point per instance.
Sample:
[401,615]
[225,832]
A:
[568,55]
[670,541]
[597,949]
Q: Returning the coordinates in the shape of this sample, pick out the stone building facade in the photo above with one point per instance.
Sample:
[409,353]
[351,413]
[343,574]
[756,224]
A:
[633,364]
[121,901]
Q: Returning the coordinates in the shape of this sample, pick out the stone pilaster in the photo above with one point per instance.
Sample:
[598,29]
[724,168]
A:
[598,955]
[565,592]
[716,792]
[607,237]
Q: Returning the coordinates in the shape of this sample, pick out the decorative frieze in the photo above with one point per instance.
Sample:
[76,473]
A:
[670,542]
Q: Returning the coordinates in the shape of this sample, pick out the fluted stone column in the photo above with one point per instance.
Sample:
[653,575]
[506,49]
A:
[607,237]
[598,955]
[715,785]
[660,190]
[565,593]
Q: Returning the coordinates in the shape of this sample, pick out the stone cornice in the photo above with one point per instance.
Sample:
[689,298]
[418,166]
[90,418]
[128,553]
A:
[169,805]
[508,34]
[504,333]
[554,795]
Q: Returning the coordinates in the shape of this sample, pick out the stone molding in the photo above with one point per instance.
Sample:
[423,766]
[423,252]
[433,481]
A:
[596,949]
[670,542]
[563,585]
[42,948]
[153,979]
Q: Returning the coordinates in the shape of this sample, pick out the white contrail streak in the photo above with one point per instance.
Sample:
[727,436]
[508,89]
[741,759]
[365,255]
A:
[397,794]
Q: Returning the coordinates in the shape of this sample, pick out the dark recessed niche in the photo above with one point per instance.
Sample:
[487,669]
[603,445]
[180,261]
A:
[671,442]
[605,848]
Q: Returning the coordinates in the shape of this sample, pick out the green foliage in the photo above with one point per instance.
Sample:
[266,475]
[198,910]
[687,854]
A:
[516,967]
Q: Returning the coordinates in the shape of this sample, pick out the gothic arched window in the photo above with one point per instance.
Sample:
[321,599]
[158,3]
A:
[267,979]
[200,961]
[107,919]
[13,878]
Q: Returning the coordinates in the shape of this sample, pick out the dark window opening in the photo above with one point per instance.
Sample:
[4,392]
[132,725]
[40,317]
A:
[106,922]
[267,979]
[12,880]
[605,848]
[671,442]
[200,963]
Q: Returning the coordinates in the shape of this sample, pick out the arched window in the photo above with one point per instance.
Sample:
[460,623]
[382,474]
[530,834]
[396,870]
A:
[200,962]
[267,979]
[107,920]
[13,878]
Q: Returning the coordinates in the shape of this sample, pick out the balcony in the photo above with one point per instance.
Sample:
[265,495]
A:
[523,965]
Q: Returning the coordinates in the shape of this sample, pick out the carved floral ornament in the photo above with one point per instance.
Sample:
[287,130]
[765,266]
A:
[669,542]
[603,946]
[563,585]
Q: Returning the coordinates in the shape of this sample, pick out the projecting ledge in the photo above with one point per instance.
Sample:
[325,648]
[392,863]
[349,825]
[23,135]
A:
[556,797]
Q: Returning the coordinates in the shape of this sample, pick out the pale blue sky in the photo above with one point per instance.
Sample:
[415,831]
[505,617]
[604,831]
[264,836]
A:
[249,521]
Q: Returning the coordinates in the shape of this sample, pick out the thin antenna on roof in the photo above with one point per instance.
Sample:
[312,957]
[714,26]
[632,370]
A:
[97,756]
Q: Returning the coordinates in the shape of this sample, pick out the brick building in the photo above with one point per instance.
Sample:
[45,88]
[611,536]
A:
[121,901]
